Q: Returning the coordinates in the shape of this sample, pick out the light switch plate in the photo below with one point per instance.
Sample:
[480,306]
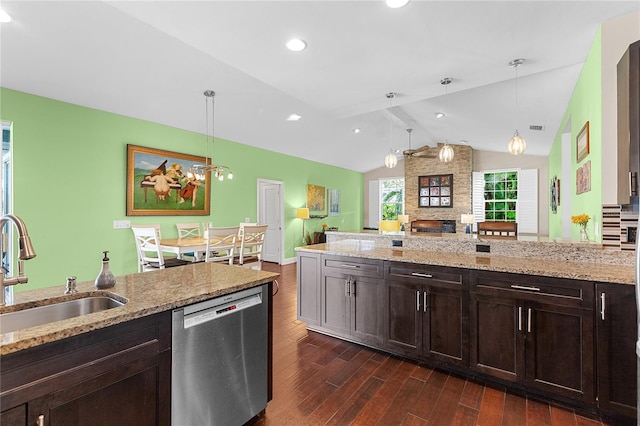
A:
[121,224]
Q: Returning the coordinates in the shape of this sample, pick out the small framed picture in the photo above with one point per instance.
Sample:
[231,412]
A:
[424,201]
[445,190]
[434,191]
[582,143]
[435,201]
[445,180]
[435,181]
[424,192]
[445,201]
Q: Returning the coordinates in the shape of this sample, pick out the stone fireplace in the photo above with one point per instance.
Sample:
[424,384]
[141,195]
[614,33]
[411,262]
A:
[461,167]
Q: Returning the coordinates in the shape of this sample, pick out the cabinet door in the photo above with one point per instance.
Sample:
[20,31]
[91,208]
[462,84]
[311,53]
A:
[16,416]
[335,291]
[131,393]
[559,350]
[443,325]
[366,306]
[616,346]
[497,346]
[404,325]
[308,274]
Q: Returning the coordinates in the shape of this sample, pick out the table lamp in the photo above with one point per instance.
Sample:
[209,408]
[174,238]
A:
[302,213]
[403,219]
[468,220]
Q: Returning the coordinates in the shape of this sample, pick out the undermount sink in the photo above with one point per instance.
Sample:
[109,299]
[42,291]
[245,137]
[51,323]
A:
[31,317]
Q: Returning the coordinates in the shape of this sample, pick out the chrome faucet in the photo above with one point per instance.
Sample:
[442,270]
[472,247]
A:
[26,252]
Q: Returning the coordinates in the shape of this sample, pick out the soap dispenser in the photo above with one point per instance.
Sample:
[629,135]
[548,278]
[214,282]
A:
[105,278]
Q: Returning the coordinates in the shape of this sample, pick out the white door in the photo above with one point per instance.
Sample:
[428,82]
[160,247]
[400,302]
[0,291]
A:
[271,212]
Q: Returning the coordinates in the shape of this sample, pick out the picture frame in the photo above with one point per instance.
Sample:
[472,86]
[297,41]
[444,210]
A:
[583,178]
[158,184]
[554,194]
[582,143]
[435,191]
[316,198]
[334,202]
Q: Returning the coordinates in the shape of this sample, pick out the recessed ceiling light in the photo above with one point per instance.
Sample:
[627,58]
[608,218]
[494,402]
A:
[439,114]
[356,130]
[296,45]
[294,117]
[4,17]
[395,4]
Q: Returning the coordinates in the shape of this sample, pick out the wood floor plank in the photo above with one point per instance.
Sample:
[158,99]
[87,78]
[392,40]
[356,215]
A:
[411,420]
[422,372]
[428,396]
[387,368]
[562,417]
[359,399]
[320,377]
[350,368]
[464,416]
[515,410]
[538,413]
[445,409]
[401,404]
[492,407]
[382,399]
[585,421]
[472,395]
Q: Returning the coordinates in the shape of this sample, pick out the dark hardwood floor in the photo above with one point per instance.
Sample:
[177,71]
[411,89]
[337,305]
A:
[320,380]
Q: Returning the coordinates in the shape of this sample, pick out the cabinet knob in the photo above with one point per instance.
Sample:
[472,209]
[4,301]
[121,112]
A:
[40,420]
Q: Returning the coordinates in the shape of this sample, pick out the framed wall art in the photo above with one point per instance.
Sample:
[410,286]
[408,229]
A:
[582,143]
[316,198]
[554,194]
[435,191]
[158,184]
[583,178]
[334,202]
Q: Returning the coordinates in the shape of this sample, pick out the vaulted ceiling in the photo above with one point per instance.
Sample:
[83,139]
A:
[153,60]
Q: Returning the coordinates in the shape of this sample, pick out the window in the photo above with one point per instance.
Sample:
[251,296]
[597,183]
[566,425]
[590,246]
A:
[507,195]
[500,196]
[391,198]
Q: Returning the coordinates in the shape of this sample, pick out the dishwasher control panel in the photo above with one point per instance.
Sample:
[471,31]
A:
[219,311]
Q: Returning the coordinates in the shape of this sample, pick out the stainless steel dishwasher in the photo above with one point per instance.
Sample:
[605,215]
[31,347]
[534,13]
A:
[219,360]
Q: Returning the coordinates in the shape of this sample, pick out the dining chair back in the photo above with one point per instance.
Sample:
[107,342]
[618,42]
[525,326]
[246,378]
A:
[221,244]
[250,252]
[150,256]
[242,225]
[189,230]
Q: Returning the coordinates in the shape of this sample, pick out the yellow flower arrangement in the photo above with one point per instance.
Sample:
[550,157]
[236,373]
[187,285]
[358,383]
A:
[581,219]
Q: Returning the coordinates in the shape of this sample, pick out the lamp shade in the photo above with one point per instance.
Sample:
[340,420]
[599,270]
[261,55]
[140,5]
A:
[467,219]
[390,160]
[389,225]
[403,218]
[517,144]
[446,153]
[302,213]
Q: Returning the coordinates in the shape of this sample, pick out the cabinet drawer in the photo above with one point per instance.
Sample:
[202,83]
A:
[528,287]
[353,266]
[427,274]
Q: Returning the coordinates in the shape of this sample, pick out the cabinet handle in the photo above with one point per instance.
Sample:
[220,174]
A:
[40,420]
[350,266]
[519,318]
[602,303]
[352,287]
[425,305]
[419,274]
[418,300]
[346,287]
[529,320]
[524,287]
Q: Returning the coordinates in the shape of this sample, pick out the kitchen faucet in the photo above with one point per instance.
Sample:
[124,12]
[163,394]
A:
[26,252]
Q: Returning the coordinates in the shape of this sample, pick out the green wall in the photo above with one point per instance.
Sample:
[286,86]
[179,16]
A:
[70,177]
[585,105]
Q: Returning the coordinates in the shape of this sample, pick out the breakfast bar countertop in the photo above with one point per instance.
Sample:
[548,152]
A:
[145,293]
[590,271]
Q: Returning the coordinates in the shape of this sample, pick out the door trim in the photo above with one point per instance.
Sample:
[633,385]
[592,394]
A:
[260,214]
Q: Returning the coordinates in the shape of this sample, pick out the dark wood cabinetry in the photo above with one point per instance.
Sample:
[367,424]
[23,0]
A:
[427,312]
[120,373]
[534,331]
[352,298]
[616,336]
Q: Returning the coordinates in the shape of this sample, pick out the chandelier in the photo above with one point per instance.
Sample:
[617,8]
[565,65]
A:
[199,171]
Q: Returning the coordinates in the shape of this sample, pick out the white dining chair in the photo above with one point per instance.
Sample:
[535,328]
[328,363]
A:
[221,244]
[189,230]
[150,256]
[250,247]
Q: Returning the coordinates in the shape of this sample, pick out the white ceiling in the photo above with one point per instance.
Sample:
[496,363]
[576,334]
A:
[153,60]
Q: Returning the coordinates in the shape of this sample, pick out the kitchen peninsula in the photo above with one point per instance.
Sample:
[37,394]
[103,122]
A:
[554,320]
[113,361]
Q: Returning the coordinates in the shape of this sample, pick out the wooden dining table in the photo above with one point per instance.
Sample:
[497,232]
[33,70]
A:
[195,245]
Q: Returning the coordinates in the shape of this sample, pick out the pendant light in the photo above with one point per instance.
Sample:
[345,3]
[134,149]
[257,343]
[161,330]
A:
[517,144]
[446,153]
[390,160]
[199,171]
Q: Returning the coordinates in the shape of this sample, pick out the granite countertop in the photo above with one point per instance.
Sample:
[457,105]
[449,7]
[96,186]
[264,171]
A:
[621,274]
[146,294]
